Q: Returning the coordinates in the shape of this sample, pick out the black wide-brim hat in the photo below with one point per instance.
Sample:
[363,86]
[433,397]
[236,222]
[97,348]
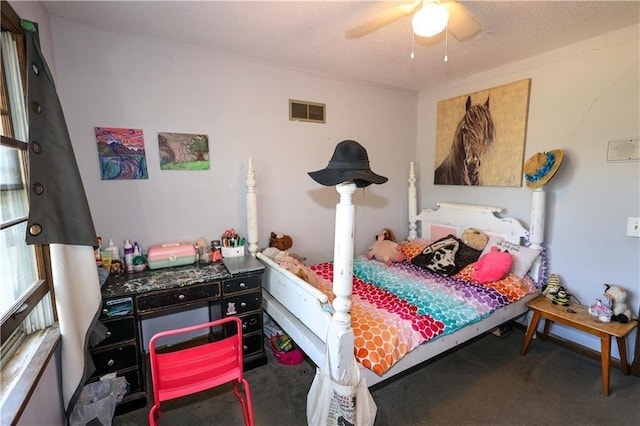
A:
[349,163]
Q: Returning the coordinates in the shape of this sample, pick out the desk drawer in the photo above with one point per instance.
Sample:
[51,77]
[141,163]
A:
[252,344]
[250,323]
[177,296]
[239,304]
[119,330]
[119,307]
[241,284]
[119,358]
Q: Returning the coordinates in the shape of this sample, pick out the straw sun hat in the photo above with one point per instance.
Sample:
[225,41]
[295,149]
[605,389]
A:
[541,167]
[349,163]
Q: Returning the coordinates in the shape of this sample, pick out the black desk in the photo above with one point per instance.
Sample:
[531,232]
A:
[130,298]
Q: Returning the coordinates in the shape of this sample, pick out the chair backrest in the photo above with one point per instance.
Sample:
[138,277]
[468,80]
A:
[187,371]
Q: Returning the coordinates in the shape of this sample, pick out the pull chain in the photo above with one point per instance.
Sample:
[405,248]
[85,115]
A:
[446,43]
[413,44]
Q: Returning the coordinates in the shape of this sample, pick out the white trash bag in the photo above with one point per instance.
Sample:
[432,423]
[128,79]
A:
[98,400]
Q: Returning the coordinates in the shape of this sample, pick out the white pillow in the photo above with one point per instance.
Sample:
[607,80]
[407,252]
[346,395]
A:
[523,257]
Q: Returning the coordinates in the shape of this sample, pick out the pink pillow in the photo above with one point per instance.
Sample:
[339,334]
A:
[492,266]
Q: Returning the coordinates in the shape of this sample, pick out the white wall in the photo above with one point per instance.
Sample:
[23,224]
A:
[115,80]
[582,96]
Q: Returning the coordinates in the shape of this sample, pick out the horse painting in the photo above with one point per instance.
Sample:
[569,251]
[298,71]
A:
[473,137]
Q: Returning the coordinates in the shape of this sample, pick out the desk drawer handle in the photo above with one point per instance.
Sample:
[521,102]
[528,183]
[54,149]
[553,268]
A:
[244,326]
[242,285]
[108,334]
[181,297]
[245,348]
[243,304]
[105,311]
[111,363]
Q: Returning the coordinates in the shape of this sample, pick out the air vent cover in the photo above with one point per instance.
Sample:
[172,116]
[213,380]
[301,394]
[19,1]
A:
[306,111]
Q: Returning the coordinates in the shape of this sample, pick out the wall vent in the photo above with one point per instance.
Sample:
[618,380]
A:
[306,111]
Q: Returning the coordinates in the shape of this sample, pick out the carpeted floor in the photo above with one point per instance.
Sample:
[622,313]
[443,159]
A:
[486,382]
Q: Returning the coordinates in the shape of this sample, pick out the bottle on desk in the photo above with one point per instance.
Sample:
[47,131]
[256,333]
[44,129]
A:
[128,255]
[114,250]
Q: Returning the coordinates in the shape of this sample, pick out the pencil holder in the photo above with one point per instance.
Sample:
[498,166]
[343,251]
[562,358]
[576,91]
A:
[232,251]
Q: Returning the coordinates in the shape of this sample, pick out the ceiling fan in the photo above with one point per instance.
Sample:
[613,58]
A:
[430,17]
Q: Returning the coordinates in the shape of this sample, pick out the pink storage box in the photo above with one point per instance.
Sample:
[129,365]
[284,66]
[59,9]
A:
[171,254]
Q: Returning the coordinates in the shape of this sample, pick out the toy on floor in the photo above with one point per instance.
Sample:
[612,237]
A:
[601,310]
[618,297]
[555,292]
[385,249]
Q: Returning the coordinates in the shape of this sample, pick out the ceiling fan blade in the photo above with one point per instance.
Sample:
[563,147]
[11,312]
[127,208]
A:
[462,24]
[386,18]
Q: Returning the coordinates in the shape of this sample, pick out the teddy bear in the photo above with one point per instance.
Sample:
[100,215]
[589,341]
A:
[618,297]
[475,238]
[385,250]
[492,266]
[280,241]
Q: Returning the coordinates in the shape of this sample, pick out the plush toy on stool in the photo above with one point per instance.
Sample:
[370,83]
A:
[618,297]
[555,292]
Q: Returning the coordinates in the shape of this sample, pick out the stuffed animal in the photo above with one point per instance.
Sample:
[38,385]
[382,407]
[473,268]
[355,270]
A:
[280,241]
[555,292]
[475,238]
[492,266]
[618,297]
[602,310]
[384,250]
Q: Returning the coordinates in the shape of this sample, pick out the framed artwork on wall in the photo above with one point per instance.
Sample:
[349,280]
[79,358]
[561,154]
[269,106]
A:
[121,153]
[480,137]
[183,151]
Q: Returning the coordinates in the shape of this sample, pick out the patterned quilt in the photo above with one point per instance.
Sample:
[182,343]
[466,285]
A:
[397,307]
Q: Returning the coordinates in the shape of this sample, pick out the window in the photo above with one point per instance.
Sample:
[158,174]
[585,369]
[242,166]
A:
[25,290]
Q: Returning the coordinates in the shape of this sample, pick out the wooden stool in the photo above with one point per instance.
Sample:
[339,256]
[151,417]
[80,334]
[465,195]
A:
[577,316]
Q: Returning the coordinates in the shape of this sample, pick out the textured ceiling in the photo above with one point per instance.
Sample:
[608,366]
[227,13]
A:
[309,35]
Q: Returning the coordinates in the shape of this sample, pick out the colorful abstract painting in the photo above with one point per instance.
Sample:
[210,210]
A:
[121,153]
[183,151]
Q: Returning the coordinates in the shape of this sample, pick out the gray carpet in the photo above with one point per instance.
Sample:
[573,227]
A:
[486,382]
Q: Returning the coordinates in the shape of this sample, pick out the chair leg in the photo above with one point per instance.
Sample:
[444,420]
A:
[245,401]
[153,420]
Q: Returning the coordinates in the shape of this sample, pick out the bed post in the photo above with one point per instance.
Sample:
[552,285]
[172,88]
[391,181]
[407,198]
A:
[340,339]
[413,204]
[536,230]
[252,216]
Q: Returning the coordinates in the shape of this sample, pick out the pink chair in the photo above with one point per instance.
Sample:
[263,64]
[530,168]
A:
[187,371]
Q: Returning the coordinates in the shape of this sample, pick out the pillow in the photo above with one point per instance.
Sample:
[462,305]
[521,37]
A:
[492,266]
[475,238]
[412,248]
[446,256]
[523,257]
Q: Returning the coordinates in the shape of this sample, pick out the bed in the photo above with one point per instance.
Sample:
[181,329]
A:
[320,321]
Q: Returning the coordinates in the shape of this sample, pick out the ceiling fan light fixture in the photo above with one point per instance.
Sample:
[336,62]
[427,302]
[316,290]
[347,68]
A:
[430,20]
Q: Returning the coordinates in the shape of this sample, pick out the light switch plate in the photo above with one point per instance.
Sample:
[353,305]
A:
[633,227]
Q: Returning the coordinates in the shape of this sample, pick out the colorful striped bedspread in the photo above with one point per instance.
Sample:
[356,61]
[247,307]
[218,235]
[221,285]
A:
[397,307]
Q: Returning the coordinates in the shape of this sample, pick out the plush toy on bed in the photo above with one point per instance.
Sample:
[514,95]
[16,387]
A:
[280,241]
[492,266]
[385,249]
[291,263]
[618,297]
